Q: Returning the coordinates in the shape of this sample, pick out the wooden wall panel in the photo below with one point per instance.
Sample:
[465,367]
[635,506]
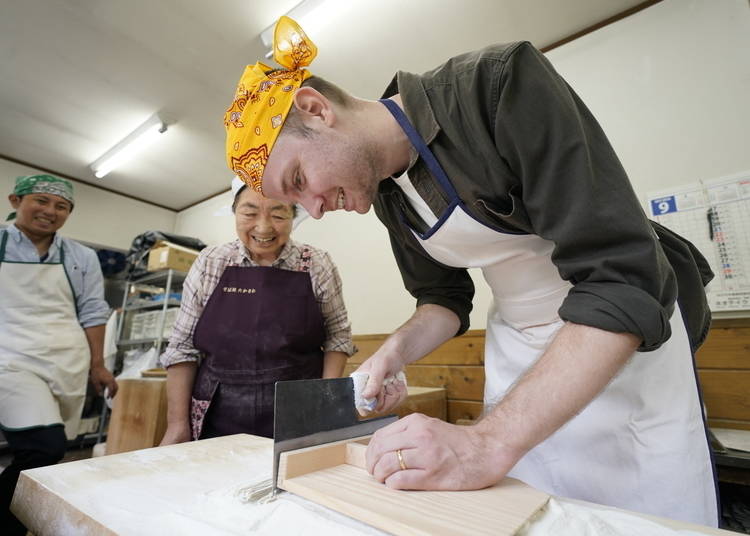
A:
[726,393]
[367,345]
[725,348]
[464,410]
[465,382]
[468,349]
[724,372]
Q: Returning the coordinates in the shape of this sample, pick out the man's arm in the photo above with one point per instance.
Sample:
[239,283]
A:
[577,195]
[576,367]
[429,327]
[93,313]
[100,376]
[180,380]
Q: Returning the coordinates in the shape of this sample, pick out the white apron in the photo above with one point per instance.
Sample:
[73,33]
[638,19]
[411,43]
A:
[641,444]
[44,353]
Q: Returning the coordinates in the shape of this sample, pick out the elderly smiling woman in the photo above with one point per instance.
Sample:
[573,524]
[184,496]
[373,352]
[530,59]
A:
[256,310]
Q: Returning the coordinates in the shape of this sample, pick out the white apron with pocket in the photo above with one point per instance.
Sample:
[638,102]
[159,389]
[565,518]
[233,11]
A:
[640,444]
[44,353]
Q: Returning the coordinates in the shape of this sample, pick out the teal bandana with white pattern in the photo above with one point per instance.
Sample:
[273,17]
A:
[43,184]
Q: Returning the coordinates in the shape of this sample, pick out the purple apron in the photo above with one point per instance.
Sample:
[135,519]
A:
[260,325]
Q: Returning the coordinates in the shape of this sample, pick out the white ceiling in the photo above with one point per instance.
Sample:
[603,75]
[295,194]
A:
[78,75]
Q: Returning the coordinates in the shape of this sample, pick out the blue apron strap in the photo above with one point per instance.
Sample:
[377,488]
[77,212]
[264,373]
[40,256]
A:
[419,144]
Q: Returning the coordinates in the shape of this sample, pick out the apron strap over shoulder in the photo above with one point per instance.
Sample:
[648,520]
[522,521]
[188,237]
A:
[2,246]
[421,146]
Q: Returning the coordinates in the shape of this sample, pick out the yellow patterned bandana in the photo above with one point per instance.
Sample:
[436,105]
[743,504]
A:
[262,102]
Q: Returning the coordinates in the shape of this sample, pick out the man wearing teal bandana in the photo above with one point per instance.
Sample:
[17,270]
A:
[52,318]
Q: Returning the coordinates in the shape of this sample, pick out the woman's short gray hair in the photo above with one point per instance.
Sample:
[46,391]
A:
[242,189]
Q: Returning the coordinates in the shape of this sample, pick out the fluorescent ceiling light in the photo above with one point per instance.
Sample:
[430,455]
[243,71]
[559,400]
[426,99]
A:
[131,144]
[308,15]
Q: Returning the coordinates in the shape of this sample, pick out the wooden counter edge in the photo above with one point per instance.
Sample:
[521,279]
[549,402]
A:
[40,521]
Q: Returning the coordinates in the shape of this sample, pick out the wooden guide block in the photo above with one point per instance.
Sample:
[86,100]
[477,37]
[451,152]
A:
[333,475]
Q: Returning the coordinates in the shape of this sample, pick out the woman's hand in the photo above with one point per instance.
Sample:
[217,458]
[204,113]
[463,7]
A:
[178,432]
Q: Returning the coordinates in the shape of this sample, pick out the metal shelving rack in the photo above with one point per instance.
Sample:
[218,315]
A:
[170,280]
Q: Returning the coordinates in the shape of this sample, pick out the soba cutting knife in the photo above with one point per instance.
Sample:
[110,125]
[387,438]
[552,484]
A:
[314,412]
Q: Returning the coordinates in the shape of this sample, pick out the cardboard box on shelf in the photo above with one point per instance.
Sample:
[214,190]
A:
[165,255]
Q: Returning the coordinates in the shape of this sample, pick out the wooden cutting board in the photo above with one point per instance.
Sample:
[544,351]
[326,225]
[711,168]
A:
[334,475]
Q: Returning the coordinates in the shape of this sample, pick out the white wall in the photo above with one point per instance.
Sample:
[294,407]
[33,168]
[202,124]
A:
[99,217]
[211,221]
[670,87]
[668,84]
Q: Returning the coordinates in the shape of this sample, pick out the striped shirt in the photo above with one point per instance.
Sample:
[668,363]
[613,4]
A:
[207,269]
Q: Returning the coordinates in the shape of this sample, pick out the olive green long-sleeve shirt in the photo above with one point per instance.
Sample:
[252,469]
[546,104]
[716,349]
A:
[526,156]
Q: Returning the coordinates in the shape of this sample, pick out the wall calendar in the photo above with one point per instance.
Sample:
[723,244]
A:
[715,216]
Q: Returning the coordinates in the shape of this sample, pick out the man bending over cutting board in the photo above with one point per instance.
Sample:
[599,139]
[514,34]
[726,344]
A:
[492,161]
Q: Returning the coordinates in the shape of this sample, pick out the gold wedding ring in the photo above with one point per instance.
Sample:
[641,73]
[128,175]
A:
[401,460]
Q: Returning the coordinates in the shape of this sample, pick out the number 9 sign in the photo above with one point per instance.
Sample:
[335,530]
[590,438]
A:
[663,205]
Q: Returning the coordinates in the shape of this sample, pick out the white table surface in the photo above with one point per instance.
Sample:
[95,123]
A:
[197,488]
